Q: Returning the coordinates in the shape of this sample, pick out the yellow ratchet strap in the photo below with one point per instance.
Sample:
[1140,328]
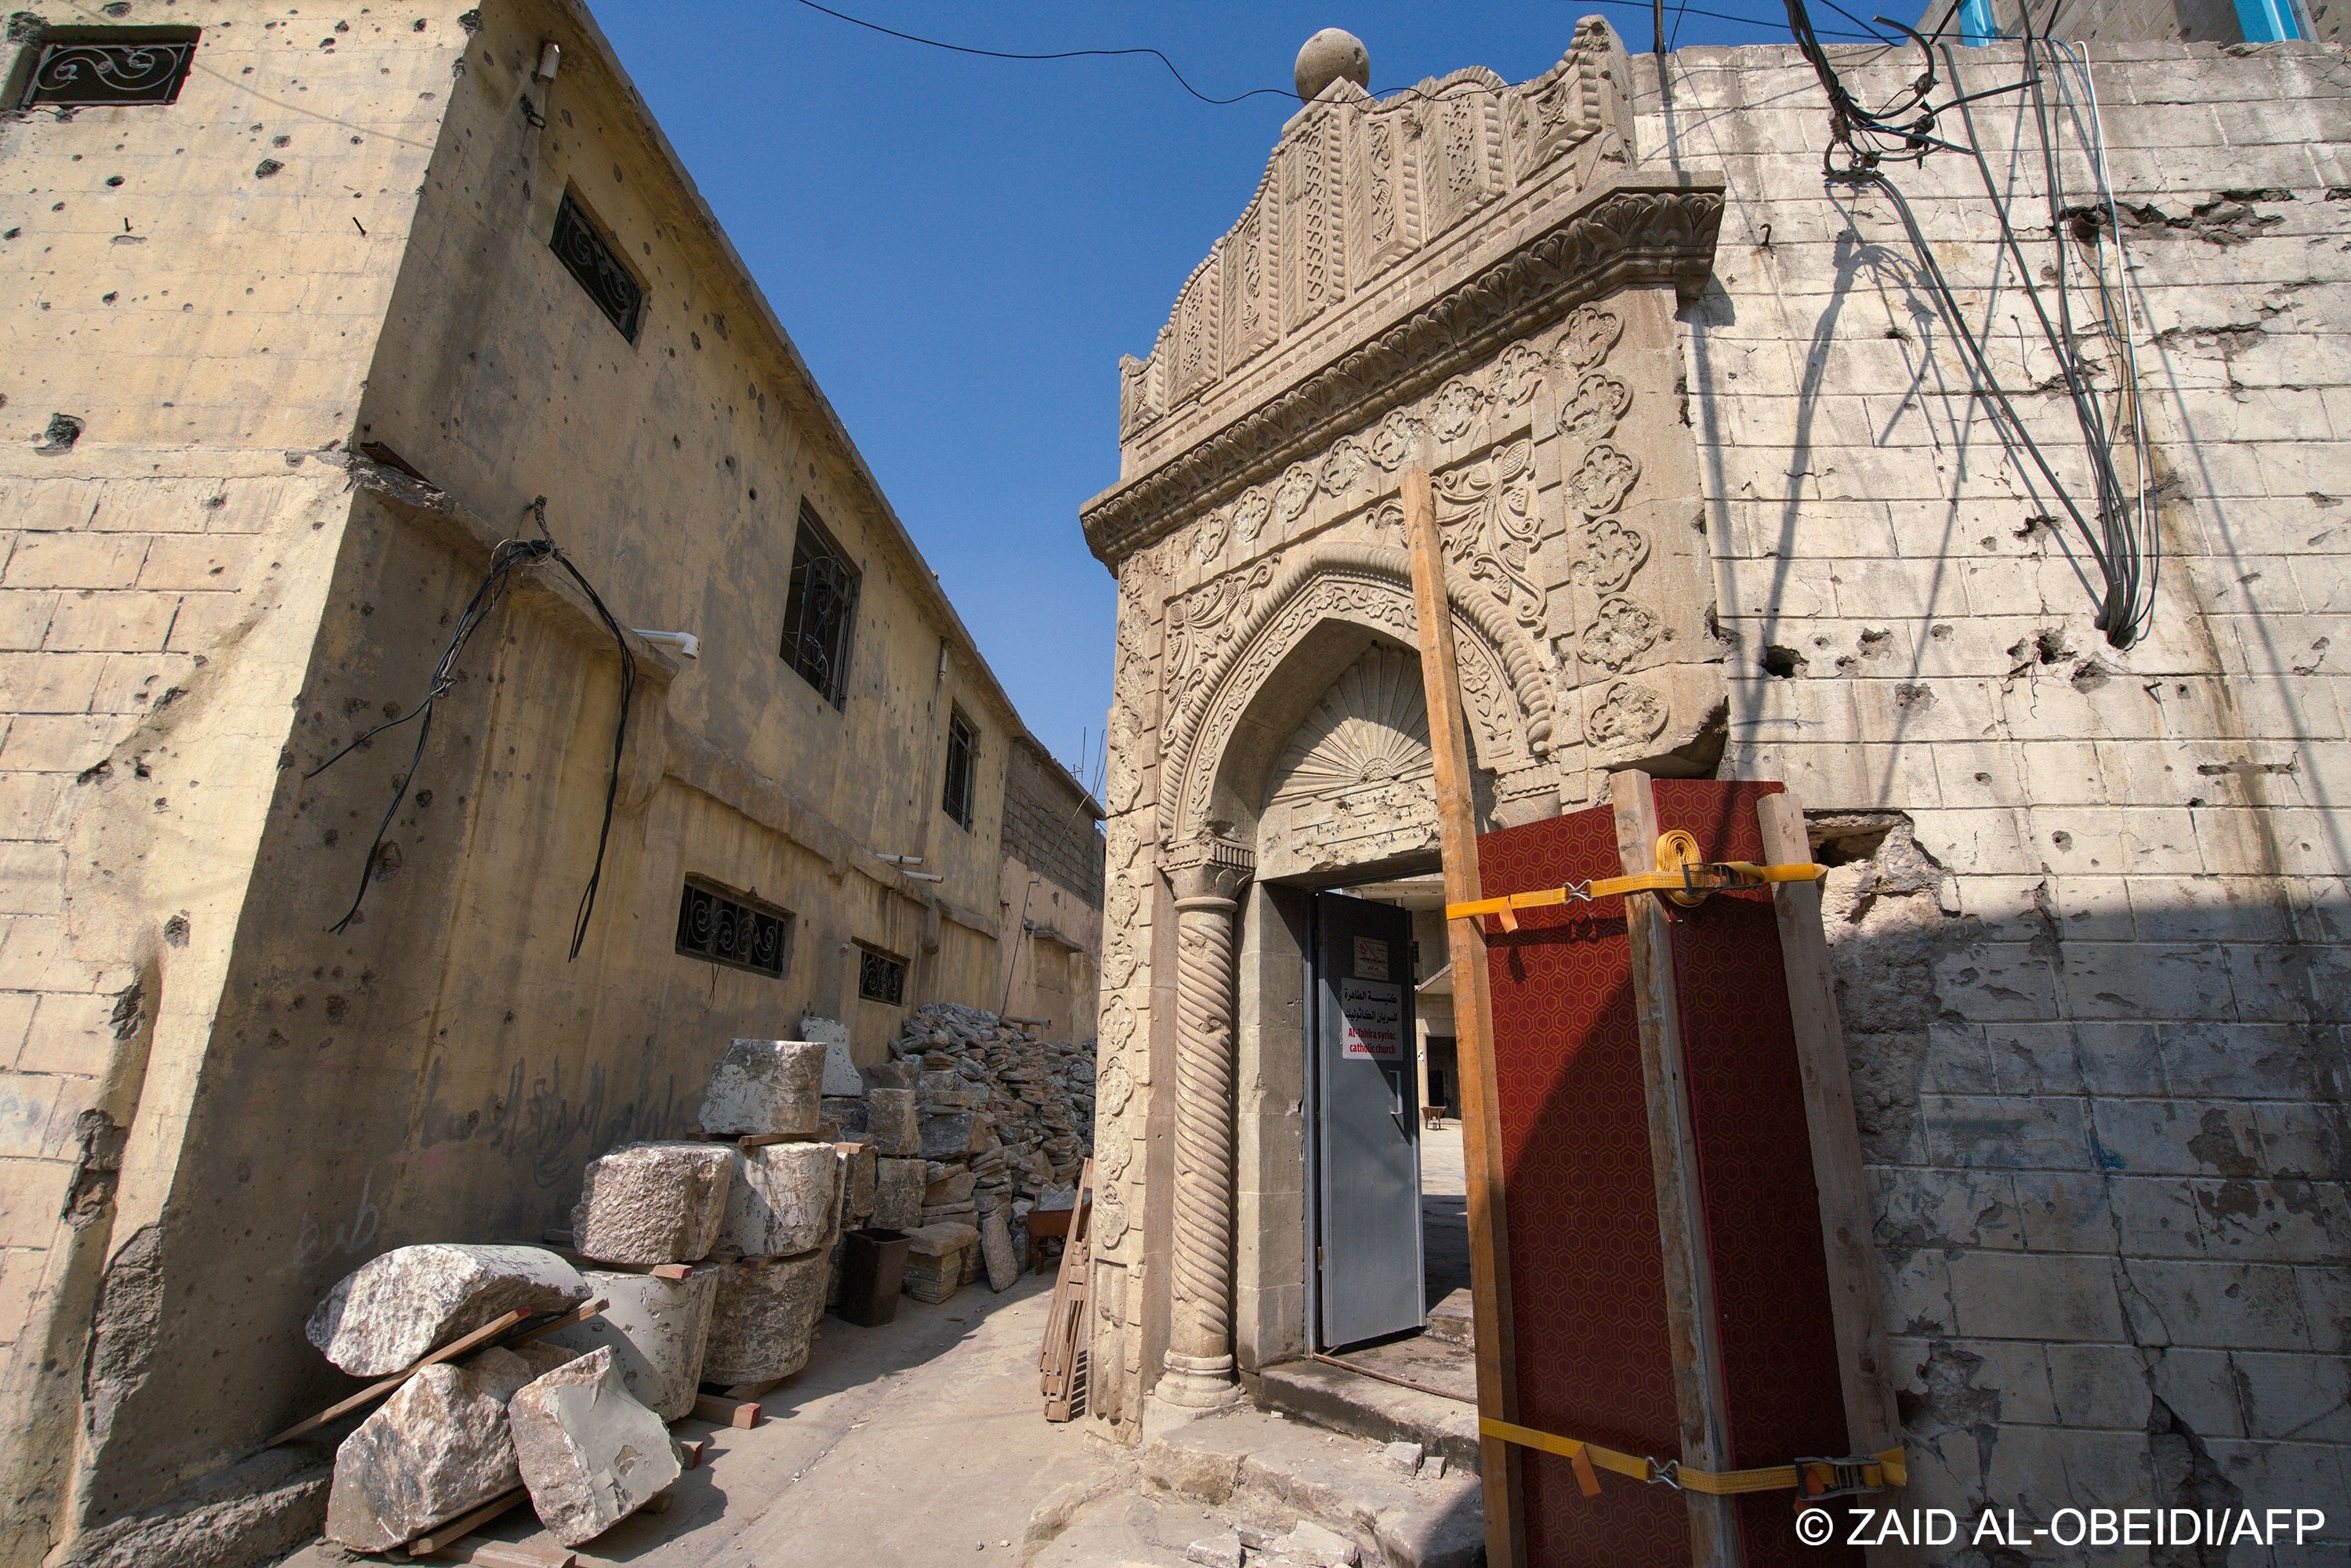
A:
[1697,878]
[1811,1479]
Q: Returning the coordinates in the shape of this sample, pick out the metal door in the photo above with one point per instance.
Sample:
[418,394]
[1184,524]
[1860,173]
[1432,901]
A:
[1367,1116]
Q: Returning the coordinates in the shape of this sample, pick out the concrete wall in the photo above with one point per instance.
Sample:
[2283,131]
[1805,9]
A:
[200,286]
[2091,923]
[212,594]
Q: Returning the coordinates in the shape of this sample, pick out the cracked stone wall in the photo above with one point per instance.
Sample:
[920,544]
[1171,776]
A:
[2089,908]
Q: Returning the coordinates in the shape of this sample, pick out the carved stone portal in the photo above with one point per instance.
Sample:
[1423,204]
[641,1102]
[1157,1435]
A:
[1478,278]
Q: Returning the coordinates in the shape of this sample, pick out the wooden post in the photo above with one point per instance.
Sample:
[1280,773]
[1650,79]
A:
[1691,1326]
[1873,1423]
[1473,1023]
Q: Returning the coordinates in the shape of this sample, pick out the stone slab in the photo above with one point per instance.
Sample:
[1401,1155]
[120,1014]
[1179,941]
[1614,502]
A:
[656,1328]
[764,1318]
[891,1123]
[996,1249]
[438,1447]
[652,1203]
[386,1314]
[947,1136]
[898,1194]
[765,1087]
[591,1453]
[857,1181]
[783,1200]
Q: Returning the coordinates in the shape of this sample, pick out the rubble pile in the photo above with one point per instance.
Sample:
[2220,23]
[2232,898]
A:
[714,1260]
[996,1116]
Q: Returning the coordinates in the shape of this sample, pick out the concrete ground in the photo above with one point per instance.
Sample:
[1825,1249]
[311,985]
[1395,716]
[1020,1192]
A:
[901,1447]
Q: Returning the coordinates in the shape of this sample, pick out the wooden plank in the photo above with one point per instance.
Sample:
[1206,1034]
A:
[485,1552]
[1473,1022]
[374,1391]
[726,1412]
[753,1392]
[1691,1326]
[1065,1327]
[465,1524]
[579,1260]
[579,1314]
[1873,1421]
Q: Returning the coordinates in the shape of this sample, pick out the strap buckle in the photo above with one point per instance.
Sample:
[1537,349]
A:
[1851,1477]
[1667,1473]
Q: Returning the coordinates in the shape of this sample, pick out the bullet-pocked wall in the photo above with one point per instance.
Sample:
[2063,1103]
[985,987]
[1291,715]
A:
[439,1068]
[2089,908]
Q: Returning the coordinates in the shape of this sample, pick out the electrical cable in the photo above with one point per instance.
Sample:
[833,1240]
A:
[2123,541]
[510,557]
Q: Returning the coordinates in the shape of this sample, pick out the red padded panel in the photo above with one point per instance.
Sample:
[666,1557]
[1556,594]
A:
[1587,1293]
[1747,1106]
[1592,1358]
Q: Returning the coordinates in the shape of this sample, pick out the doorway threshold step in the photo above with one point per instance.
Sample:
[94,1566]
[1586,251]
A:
[1367,1407]
[1260,1470]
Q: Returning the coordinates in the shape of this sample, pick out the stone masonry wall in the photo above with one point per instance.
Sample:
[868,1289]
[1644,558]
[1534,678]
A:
[1046,827]
[2090,912]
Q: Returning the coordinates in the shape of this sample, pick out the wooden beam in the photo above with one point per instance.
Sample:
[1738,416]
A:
[1691,1327]
[724,1412]
[465,1524]
[1473,1022]
[374,1391]
[1873,1422]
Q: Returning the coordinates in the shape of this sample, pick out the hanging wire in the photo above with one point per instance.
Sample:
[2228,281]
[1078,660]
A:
[2120,535]
[511,556]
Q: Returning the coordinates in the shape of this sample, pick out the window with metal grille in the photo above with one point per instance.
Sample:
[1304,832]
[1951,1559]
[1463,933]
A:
[881,977]
[728,928]
[90,68]
[821,611]
[589,258]
[962,767]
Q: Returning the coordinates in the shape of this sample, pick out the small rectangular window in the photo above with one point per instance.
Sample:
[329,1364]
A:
[881,977]
[90,68]
[589,258]
[962,767]
[728,928]
[821,611]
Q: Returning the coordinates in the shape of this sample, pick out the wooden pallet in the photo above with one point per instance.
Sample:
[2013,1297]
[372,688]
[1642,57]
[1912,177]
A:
[1060,1363]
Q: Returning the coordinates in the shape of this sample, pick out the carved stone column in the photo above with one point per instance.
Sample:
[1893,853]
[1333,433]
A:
[1199,1361]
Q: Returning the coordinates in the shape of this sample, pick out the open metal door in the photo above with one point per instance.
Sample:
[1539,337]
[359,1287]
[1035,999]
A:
[1367,1118]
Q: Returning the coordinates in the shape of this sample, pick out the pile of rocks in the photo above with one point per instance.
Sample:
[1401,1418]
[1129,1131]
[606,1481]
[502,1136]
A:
[460,1434]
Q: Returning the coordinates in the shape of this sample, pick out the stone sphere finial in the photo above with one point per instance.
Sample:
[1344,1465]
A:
[1329,55]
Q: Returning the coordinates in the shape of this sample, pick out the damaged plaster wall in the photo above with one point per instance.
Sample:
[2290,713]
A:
[2088,911]
[199,288]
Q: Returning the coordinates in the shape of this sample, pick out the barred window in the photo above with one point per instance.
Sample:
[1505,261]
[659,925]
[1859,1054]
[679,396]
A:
[881,977]
[591,259]
[821,612]
[962,767]
[731,929]
[91,67]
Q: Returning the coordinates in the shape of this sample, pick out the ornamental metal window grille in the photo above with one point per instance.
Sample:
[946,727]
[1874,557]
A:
[727,929]
[589,257]
[962,767]
[821,611]
[881,977]
[93,68]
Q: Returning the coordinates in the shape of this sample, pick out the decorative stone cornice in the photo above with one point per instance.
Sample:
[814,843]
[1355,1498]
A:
[1639,228]
[1209,869]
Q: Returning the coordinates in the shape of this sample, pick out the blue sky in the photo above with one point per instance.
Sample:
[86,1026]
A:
[962,247]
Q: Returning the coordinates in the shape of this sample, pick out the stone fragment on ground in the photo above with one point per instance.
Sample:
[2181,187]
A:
[437,1449]
[857,1177]
[652,1203]
[996,1249]
[656,1328]
[385,1315]
[782,1199]
[589,1452]
[765,1087]
[1404,1456]
[763,1318]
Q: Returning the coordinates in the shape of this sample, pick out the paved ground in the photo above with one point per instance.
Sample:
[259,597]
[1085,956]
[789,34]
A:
[902,1447]
[1444,1212]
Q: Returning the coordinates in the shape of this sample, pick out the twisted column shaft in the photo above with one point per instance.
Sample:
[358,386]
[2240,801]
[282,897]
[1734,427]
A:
[1199,1361]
